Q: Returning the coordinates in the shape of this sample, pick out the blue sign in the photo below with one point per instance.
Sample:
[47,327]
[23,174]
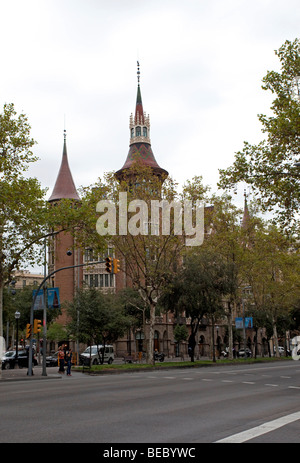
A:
[52,299]
[239,324]
[39,302]
[248,322]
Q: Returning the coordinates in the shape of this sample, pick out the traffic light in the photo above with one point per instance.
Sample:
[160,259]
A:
[28,330]
[109,264]
[116,267]
[37,325]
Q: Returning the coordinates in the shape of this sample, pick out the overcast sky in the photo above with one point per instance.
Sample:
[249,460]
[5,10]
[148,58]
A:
[72,64]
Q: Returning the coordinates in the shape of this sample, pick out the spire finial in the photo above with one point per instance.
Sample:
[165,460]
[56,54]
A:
[138,72]
[65,131]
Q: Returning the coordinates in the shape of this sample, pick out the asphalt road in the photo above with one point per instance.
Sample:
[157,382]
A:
[241,403]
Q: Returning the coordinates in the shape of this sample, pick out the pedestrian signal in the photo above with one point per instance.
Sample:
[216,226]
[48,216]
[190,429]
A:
[28,330]
[37,326]
[109,264]
[116,265]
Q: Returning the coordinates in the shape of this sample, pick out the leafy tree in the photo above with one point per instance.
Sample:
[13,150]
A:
[21,301]
[56,332]
[148,256]
[198,289]
[26,218]
[97,317]
[269,166]
[271,269]
[226,239]
[181,333]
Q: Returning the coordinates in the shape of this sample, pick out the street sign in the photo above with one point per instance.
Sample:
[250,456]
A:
[239,324]
[52,299]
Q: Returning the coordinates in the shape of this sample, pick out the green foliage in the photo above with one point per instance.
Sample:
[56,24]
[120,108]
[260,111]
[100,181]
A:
[269,166]
[56,332]
[180,333]
[97,317]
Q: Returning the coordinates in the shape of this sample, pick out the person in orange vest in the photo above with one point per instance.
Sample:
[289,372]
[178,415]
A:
[61,360]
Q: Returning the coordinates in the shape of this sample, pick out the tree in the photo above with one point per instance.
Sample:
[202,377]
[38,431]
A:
[269,166]
[97,317]
[271,268]
[226,238]
[26,218]
[148,252]
[180,333]
[198,289]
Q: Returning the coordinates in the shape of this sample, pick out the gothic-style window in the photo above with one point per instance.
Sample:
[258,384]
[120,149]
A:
[138,131]
[144,131]
[132,133]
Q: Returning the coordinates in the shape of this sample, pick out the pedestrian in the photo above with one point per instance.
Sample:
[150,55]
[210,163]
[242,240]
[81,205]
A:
[61,360]
[69,361]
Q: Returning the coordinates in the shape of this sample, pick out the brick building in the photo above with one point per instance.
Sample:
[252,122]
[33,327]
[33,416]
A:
[96,275]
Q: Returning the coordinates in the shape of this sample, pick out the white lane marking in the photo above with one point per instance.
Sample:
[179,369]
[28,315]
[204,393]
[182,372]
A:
[248,382]
[294,387]
[262,429]
[272,385]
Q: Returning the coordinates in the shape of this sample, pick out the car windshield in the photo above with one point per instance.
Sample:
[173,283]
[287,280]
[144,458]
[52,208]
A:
[93,349]
[10,353]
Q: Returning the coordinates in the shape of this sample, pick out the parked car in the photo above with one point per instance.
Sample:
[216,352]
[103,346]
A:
[95,354]
[241,352]
[281,351]
[9,359]
[52,360]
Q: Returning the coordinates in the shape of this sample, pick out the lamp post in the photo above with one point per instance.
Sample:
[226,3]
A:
[218,341]
[17,316]
[244,324]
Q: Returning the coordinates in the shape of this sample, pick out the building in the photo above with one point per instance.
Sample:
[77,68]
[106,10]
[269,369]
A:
[24,278]
[96,276]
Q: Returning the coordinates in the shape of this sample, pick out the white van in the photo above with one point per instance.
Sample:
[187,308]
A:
[95,353]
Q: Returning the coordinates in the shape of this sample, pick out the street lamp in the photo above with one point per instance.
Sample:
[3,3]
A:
[17,316]
[244,324]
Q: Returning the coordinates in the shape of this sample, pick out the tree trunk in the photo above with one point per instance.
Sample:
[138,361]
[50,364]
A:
[1,323]
[150,347]
[277,354]
[230,334]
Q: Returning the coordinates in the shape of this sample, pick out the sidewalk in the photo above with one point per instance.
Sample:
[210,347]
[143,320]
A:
[20,374]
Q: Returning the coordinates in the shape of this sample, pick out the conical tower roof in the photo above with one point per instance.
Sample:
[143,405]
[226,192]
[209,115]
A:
[64,187]
[140,144]
[246,215]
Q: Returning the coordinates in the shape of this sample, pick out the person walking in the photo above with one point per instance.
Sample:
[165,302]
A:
[69,361]
[61,360]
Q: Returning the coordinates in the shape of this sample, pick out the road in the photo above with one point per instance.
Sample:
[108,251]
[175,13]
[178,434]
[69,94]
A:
[199,405]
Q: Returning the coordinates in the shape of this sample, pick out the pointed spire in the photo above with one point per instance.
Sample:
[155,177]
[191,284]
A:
[140,144]
[246,216]
[64,187]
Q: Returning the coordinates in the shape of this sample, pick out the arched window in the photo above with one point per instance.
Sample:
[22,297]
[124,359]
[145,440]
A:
[138,131]
[144,131]
[132,133]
